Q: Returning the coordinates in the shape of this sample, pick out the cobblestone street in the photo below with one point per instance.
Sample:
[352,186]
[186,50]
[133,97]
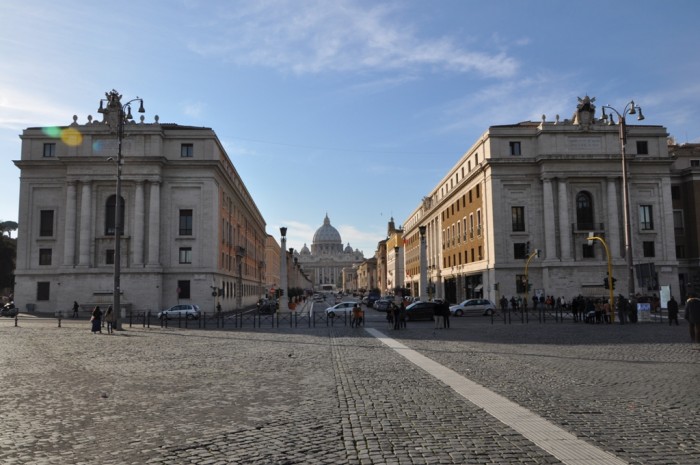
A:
[339,395]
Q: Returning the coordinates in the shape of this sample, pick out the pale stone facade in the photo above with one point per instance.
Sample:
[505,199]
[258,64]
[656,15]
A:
[325,261]
[547,185]
[191,230]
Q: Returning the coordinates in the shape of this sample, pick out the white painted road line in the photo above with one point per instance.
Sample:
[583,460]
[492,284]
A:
[546,435]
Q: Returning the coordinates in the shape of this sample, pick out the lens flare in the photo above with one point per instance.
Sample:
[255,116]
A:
[71,137]
[53,131]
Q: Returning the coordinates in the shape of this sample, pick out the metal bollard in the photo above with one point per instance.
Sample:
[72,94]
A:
[16,320]
[59,318]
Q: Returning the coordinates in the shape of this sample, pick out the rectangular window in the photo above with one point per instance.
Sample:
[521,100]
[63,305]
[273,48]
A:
[646,219]
[478,223]
[649,250]
[44,256]
[588,251]
[680,251]
[675,192]
[185,222]
[678,223]
[185,254]
[515,148]
[520,250]
[518,218]
[694,163]
[187,150]
[46,223]
[49,150]
[109,256]
[642,147]
[183,289]
[43,290]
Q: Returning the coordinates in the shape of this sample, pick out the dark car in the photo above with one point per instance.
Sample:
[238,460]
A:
[266,307]
[421,311]
[382,305]
[9,310]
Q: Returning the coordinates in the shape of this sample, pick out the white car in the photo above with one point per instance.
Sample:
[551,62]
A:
[189,311]
[473,307]
[341,308]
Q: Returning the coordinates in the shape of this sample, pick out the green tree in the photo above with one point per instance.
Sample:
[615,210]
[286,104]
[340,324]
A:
[6,227]
[8,256]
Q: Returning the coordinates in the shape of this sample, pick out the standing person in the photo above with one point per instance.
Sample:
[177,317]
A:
[437,315]
[672,311]
[390,311]
[96,320]
[356,318]
[504,304]
[445,314]
[111,319]
[692,316]
[76,307]
[402,315]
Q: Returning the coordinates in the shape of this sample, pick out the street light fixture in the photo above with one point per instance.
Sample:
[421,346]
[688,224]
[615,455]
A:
[118,114]
[283,305]
[630,109]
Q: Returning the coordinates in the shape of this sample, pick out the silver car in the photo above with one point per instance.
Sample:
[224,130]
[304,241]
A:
[189,311]
[341,308]
[473,307]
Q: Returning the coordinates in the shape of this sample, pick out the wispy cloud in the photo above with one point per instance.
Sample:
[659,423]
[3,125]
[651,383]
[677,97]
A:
[338,36]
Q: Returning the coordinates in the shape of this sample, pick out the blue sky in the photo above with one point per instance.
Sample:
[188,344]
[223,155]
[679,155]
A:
[351,108]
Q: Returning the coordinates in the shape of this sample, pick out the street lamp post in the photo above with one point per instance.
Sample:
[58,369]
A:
[118,114]
[591,237]
[630,109]
[423,283]
[283,305]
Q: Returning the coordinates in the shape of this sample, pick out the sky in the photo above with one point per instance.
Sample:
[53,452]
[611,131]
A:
[351,109]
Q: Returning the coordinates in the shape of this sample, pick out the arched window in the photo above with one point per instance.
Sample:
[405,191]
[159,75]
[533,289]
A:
[584,211]
[110,209]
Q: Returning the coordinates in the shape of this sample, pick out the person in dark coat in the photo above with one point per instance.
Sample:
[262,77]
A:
[96,320]
[692,316]
[76,307]
[445,314]
[672,311]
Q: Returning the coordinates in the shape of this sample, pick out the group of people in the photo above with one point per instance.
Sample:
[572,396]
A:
[396,315]
[441,315]
[98,318]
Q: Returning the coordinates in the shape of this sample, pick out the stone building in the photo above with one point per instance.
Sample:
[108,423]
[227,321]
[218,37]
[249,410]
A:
[190,233]
[325,261]
[547,185]
[685,195]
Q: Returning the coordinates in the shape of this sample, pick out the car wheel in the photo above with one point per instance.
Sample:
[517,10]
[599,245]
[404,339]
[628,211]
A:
[488,312]
[459,313]
[331,315]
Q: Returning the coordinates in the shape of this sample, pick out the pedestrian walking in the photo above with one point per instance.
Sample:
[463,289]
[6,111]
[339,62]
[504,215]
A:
[111,319]
[391,309]
[96,320]
[445,314]
[437,315]
[672,311]
[76,307]
[356,316]
[402,315]
[692,316]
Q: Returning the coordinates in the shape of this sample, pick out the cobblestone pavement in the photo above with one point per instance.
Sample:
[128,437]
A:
[338,395]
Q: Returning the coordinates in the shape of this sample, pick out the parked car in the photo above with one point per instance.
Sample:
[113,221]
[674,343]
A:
[189,311]
[340,309]
[473,307]
[9,310]
[421,311]
[266,306]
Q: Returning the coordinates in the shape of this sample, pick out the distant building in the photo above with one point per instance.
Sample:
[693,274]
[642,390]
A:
[548,185]
[191,230]
[325,261]
[685,196]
